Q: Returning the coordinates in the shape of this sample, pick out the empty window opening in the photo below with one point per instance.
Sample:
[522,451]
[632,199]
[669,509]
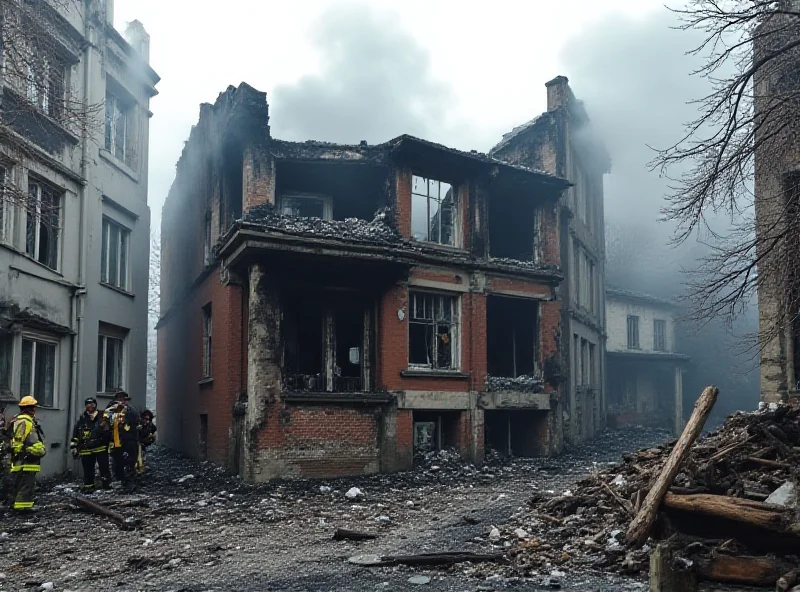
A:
[512,336]
[516,433]
[660,335]
[7,199]
[306,206]
[435,430]
[633,332]
[207,351]
[43,223]
[432,331]
[203,438]
[330,190]
[514,227]
[433,211]
[207,239]
[231,187]
[497,431]
[324,347]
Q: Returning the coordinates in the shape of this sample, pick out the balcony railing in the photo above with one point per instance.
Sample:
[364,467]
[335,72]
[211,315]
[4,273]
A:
[317,383]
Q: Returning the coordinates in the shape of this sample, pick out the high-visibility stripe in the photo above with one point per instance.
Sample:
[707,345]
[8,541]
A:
[93,450]
[23,505]
[26,468]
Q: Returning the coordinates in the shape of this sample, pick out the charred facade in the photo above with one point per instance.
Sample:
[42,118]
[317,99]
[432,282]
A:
[562,142]
[332,309]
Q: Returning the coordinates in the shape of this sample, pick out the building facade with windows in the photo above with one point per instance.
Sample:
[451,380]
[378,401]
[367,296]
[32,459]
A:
[562,141]
[645,369]
[74,226]
[334,309]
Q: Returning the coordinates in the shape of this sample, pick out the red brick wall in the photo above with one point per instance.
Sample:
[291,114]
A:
[258,183]
[320,440]
[181,399]
[405,433]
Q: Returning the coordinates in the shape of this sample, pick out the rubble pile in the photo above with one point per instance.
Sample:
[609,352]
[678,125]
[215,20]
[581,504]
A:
[732,501]
[376,231]
[524,384]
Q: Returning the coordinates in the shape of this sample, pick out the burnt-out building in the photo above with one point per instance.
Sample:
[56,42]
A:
[332,309]
[561,141]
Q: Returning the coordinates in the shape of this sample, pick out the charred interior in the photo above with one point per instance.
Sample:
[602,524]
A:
[435,430]
[330,190]
[513,226]
[326,334]
[513,335]
[230,186]
[516,432]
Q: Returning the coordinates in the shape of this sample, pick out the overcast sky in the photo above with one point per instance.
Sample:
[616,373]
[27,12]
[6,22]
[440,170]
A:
[457,73]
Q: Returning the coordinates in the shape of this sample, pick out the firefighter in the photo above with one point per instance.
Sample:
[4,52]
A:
[90,439]
[124,444]
[27,451]
[147,437]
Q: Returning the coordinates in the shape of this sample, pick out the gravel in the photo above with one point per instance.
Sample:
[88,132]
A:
[202,530]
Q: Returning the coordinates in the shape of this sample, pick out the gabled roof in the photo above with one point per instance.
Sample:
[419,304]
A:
[631,296]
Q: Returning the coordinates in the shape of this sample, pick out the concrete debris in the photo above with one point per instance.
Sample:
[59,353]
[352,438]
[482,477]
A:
[419,580]
[221,543]
[354,493]
[525,384]
[324,489]
[376,231]
[785,495]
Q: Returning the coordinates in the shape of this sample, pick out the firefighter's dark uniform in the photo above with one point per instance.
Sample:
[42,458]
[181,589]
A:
[27,451]
[6,479]
[147,437]
[90,439]
[124,444]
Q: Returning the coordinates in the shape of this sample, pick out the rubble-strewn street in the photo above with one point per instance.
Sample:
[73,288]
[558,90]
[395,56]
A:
[203,530]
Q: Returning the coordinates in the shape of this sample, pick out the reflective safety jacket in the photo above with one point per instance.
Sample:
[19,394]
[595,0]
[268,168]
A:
[147,434]
[124,421]
[27,444]
[91,434]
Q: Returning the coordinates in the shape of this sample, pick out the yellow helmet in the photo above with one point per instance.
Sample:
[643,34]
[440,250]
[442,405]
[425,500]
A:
[28,402]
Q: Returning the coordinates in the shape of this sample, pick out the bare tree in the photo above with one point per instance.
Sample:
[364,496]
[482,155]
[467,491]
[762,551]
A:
[746,128]
[153,307]
[41,109]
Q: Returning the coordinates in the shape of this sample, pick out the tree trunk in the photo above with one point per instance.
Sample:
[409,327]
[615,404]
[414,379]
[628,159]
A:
[639,529]
[741,511]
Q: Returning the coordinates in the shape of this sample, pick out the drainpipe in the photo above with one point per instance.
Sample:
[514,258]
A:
[78,339]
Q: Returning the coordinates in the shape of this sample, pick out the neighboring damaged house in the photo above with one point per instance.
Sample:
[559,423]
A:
[777,200]
[332,309]
[645,370]
[561,141]
[74,221]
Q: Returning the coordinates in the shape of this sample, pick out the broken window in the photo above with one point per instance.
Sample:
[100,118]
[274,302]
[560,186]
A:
[307,206]
[46,76]
[432,331]
[207,239]
[324,343]
[633,332]
[660,335]
[114,256]
[6,359]
[110,360]
[207,340]
[592,365]
[42,225]
[512,336]
[118,143]
[576,359]
[38,370]
[433,211]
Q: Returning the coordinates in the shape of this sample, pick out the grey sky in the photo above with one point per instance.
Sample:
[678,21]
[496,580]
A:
[461,74]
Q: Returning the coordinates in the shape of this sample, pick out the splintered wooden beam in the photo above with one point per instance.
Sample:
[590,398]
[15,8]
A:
[640,526]
[95,508]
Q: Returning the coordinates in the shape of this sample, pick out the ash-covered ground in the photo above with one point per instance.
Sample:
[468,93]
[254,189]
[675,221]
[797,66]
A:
[203,530]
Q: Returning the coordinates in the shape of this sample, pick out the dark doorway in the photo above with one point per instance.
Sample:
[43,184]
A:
[203,439]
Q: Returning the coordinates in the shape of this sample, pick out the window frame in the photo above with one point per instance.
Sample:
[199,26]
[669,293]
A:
[327,202]
[456,233]
[208,329]
[662,323]
[454,326]
[8,350]
[123,254]
[36,339]
[58,197]
[7,209]
[103,336]
[120,110]
[632,325]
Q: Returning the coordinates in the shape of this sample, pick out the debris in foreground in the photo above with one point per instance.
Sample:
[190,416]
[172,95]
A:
[712,521]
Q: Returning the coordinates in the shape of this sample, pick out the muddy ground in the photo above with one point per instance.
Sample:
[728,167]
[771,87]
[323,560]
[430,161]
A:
[202,530]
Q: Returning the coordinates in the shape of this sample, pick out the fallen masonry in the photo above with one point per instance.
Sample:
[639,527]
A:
[729,515]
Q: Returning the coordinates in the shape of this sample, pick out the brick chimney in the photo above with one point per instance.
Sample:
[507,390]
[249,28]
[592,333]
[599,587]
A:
[139,39]
[557,92]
